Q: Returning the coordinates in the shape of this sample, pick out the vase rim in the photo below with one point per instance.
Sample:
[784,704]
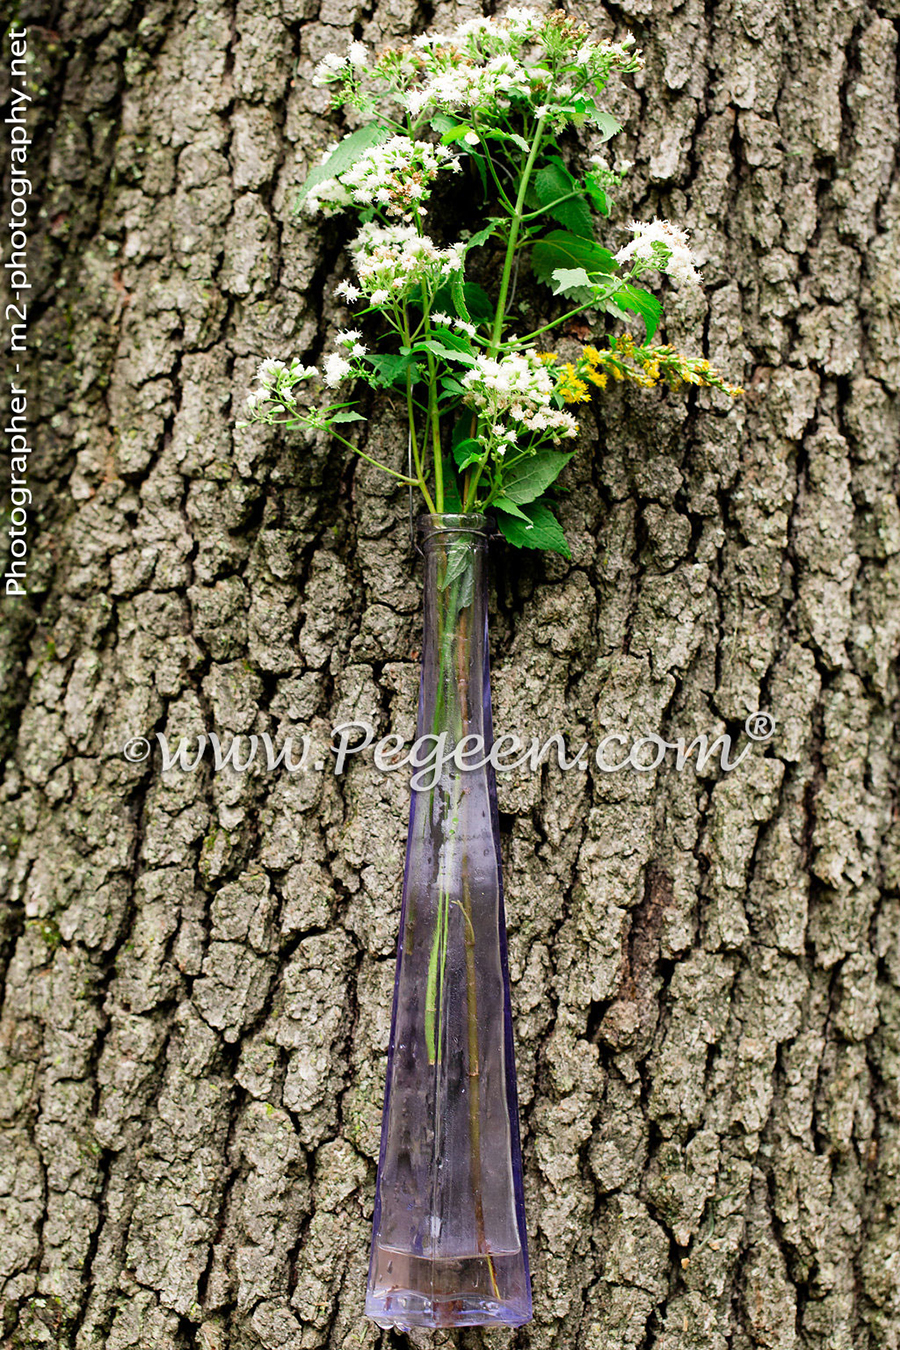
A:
[445,522]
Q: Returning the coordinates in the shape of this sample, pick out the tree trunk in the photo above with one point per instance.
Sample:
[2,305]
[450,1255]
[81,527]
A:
[197,966]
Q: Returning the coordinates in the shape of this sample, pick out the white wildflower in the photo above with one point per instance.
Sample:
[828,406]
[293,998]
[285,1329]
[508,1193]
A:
[347,291]
[517,387]
[357,54]
[661,245]
[336,368]
[268,373]
[397,259]
[396,175]
[442,320]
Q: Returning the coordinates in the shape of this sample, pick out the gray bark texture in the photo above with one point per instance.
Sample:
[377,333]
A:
[197,968]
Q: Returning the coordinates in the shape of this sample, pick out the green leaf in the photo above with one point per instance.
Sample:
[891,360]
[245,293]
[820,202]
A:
[532,476]
[570,280]
[456,565]
[455,133]
[389,369]
[482,236]
[467,452]
[451,388]
[350,149]
[509,508]
[452,499]
[641,302]
[479,162]
[497,135]
[554,181]
[561,250]
[597,195]
[607,124]
[545,530]
[348,416]
[478,304]
[461,354]
[441,122]
[458,294]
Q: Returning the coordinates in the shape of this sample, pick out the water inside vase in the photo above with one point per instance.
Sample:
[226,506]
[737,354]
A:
[467,1289]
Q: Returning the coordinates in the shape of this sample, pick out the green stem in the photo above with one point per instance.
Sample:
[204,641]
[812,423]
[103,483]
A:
[415,445]
[570,314]
[435,434]
[408,482]
[515,222]
[500,315]
[543,210]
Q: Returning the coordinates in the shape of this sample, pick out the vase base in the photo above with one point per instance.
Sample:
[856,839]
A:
[407,1290]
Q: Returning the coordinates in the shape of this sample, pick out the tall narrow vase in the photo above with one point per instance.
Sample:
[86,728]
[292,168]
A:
[448,1242]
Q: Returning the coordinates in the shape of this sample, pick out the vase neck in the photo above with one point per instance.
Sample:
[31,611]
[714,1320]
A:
[445,530]
[454,650]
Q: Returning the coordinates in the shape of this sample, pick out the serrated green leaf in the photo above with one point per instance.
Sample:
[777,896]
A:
[441,123]
[479,305]
[457,563]
[513,136]
[458,294]
[345,155]
[509,508]
[481,237]
[643,303]
[607,124]
[455,133]
[559,249]
[388,369]
[597,195]
[545,530]
[570,280]
[467,452]
[348,416]
[448,349]
[530,477]
[554,182]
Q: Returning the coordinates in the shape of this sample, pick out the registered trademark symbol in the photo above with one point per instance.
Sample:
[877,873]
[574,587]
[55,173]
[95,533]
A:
[760,726]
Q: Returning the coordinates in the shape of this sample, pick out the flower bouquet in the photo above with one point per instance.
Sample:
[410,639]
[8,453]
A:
[495,106]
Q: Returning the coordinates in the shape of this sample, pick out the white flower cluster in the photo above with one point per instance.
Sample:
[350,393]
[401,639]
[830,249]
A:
[275,382]
[447,321]
[338,365]
[393,261]
[395,176]
[472,87]
[355,58]
[514,394]
[486,65]
[662,246]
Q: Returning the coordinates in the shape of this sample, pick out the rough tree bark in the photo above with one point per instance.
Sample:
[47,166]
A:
[197,967]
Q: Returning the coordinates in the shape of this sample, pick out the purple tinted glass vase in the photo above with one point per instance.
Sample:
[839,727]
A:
[448,1242]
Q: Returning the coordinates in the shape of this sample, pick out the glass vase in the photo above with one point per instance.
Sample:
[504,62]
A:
[448,1242]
